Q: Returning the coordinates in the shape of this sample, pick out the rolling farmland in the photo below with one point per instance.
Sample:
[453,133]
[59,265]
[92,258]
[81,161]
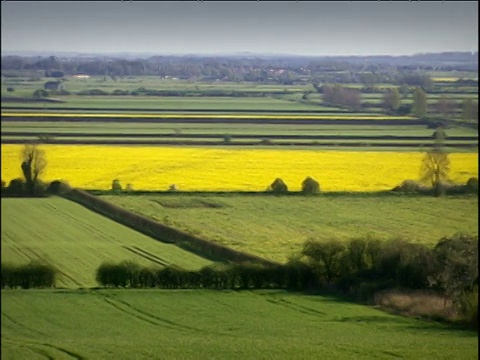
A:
[276,227]
[215,325]
[76,241]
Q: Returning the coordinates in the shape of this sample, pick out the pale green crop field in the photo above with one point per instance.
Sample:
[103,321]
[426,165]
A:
[76,241]
[202,324]
[276,227]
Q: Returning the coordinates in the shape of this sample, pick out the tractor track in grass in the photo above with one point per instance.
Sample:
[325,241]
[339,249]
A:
[28,252]
[32,346]
[147,317]
[281,301]
[146,255]
[21,326]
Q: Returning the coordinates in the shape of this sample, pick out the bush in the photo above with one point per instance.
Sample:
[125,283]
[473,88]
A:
[40,93]
[16,187]
[278,186]
[39,188]
[92,92]
[33,275]
[58,187]
[469,307]
[10,89]
[404,109]
[117,275]
[116,186]
[472,185]
[310,186]
[411,186]
[120,92]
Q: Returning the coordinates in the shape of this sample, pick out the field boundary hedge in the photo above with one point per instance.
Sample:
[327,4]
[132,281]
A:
[163,233]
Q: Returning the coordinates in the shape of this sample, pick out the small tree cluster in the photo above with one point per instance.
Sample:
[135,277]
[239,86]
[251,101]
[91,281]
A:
[363,266]
[338,95]
[116,186]
[33,275]
[278,186]
[310,186]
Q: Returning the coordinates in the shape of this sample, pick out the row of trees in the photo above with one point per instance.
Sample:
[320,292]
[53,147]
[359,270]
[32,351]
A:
[279,69]
[358,268]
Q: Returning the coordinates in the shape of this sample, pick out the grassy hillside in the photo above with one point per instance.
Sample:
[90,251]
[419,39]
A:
[76,241]
[157,324]
[276,227]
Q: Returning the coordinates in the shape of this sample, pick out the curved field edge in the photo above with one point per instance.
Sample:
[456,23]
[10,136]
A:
[275,227]
[76,241]
[207,169]
[215,325]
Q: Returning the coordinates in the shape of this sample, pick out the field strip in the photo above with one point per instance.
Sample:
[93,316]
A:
[209,116]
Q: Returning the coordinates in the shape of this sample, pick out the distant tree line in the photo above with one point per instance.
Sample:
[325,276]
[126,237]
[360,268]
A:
[240,68]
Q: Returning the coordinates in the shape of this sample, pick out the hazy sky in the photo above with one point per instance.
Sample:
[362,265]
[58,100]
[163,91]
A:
[303,28]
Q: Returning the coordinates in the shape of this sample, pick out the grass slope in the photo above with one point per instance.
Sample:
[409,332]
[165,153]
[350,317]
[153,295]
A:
[276,227]
[157,324]
[76,241]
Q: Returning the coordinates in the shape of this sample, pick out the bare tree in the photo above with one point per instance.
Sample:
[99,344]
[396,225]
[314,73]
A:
[33,165]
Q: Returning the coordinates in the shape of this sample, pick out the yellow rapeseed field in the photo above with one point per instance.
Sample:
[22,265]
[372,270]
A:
[156,168]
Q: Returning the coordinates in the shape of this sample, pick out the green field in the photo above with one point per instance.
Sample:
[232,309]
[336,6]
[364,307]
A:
[76,241]
[173,324]
[46,127]
[276,227]
[171,103]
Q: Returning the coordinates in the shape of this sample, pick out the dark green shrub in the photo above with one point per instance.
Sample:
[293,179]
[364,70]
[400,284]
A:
[95,92]
[58,187]
[310,186]
[411,186]
[120,92]
[325,258]
[39,188]
[278,186]
[10,89]
[117,275]
[458,259]
[116,186]
[300,276]
[472,185]
[16,187]
[40,93]
[468,303]
[32,275]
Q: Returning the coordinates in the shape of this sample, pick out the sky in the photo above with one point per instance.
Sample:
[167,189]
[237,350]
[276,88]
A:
[184,27]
